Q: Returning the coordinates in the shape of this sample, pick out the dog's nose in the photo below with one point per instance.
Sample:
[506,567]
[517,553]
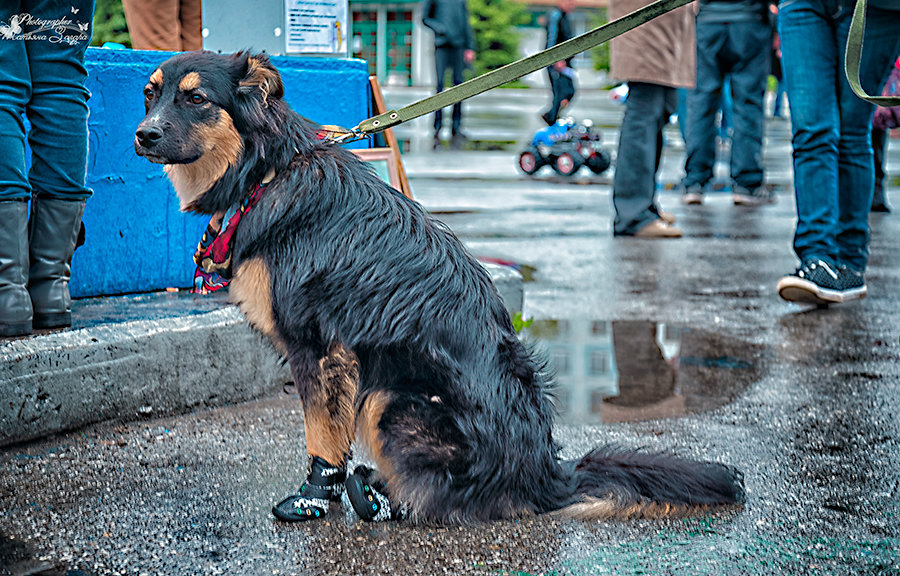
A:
[148,136]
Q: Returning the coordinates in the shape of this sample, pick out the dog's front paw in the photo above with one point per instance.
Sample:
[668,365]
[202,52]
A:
[323,486]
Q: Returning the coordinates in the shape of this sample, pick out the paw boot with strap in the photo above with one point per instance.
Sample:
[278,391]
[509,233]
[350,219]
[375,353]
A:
[369,497]
[323,486]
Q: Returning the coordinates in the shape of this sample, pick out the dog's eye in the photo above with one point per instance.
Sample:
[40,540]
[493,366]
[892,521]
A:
[148,94]
[197,99]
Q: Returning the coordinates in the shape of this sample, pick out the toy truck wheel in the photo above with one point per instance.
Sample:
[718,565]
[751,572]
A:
[566,164]
[599,161]
[530,162]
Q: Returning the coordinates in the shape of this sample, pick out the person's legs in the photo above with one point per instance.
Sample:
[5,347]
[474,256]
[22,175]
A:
[191,28]
[810,57]
[15,91]
[681,110]
[634,183]
[154,24]
[748,81]
[58,109]
[702,105]
[778,108]
[458,64]
[441,63]
[59,144]
[552,115]
[879,140]
[856,176]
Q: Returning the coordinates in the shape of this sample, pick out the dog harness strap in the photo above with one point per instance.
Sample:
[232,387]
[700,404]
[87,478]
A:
[517,69]
[213,255]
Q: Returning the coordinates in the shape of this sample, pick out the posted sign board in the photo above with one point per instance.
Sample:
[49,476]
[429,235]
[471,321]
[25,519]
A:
[316,26]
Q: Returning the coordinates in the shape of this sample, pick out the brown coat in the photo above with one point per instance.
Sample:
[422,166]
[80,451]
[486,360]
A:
[662,51]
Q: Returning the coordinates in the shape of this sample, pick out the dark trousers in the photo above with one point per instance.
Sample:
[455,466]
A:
[879,140]
[448,57]
[647,111]
[738,50]
[563,89]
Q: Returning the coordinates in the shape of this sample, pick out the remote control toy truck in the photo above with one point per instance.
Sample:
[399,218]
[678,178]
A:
[565,146]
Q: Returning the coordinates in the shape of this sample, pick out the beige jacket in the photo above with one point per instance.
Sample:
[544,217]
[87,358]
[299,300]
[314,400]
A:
[662,51]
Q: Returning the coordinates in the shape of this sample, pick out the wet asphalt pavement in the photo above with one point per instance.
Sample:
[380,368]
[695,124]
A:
[674,345]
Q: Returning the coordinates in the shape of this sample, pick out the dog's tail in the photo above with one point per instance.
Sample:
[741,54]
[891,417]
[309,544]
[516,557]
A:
[615,483]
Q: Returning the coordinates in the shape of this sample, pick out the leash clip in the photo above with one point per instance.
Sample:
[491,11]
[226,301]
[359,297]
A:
[340,135]
[351,135]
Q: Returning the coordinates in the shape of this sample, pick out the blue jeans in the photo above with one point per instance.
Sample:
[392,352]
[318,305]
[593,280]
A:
[42,76]
[833,166]
[647,112]
[734,50]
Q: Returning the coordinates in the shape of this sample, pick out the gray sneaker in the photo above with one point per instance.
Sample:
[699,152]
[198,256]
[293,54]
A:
[756,197]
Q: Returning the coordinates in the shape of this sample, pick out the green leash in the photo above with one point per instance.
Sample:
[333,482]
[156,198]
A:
[853,56]
[574,46]
[512,71]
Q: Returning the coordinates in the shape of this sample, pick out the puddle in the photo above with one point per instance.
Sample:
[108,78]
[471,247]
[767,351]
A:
[18,557]
[628,371]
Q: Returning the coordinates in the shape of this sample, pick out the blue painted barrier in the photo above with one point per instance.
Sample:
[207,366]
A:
[137,240]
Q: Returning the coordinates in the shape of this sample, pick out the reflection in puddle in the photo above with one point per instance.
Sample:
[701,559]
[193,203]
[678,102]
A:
[624,371]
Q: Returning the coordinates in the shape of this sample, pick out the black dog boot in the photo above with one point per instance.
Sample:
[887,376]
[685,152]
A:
[53,234]
[323,486]
[15,304]
[369,498]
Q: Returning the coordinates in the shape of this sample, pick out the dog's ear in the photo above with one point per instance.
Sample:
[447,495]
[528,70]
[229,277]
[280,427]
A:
[259,85]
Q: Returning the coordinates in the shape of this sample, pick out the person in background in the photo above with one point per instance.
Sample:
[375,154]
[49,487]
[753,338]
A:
[655,59]
[173,25]
[43,78]
[775,66]
[454,48]
[831,135]
[879,143]
[733,41]
[562,75]
[886,118]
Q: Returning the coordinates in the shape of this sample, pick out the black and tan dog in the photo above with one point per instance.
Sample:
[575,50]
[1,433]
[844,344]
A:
[394,334]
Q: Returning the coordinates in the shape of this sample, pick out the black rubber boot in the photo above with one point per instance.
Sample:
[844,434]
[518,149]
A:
[323,485]
[370,499]
[53,235]
[15,304]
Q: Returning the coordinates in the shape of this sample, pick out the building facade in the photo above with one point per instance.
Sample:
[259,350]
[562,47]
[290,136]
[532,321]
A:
[390,36]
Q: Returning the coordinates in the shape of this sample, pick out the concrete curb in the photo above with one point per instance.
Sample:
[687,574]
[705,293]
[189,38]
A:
[128,368]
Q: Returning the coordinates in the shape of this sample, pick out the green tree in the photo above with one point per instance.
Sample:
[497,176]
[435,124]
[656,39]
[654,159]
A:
[109,23]
[599,54]
[494,24]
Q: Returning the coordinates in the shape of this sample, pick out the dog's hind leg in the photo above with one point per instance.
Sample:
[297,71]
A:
[420,453]
[327,388]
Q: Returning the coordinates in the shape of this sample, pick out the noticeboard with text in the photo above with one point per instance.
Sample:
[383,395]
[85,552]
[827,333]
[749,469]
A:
[316,26]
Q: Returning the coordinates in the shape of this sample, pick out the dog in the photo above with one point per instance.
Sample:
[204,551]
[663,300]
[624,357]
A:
[396,338]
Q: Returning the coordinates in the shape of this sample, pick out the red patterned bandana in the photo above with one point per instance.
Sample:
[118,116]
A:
[213,255]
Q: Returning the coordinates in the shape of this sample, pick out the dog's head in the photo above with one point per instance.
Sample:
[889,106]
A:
[201,109]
